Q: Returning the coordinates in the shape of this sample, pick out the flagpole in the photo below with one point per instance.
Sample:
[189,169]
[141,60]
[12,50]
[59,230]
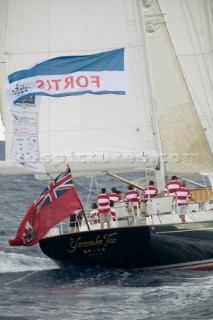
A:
[82,208]
[85,217]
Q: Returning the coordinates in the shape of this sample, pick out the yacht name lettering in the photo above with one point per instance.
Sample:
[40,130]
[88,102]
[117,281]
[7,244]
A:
[107,239]
[70,82]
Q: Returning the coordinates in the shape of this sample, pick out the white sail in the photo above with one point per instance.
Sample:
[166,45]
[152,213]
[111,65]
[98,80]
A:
[190,25]
[3,19]
[184,143]
[99,133]
[107,125]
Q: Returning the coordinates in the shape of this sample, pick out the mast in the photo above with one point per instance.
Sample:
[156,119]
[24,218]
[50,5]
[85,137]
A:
[160,172]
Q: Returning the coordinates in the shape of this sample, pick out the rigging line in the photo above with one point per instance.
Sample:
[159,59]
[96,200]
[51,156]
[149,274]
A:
[199,43]
[80,184]
[192,43]
[96,184]
[201,108]
[204,181]
[101,186]
[89,193]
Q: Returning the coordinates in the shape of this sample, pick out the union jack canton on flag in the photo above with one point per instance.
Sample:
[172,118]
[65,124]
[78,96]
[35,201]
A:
[56,188]
[56,203]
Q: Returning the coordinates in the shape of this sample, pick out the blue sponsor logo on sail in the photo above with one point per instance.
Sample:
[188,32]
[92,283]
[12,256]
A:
[100,73]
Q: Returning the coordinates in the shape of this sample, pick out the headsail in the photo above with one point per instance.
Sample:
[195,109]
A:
[185,147]
[190,25]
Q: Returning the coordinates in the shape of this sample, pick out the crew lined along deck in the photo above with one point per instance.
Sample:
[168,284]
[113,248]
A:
[159,211]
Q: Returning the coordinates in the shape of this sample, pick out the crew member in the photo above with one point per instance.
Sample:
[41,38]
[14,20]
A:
[172,186]
[104,208]
[132,196]
[182,195]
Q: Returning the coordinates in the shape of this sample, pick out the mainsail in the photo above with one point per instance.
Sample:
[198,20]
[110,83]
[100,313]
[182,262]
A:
[105,126]
[99,133]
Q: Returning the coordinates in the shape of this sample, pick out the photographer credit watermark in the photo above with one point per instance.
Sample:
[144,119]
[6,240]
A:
[105,157]
[98,158]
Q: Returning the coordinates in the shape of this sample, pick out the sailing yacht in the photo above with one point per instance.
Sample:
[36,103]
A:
[154,128]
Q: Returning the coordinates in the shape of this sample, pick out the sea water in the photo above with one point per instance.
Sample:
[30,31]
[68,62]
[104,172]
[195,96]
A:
[32,287]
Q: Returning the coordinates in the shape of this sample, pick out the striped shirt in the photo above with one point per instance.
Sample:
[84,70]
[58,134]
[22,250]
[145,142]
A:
[182,195]
[150,192]
[133,197]
[95,215]
[115,197]
[103,203]
[171,187]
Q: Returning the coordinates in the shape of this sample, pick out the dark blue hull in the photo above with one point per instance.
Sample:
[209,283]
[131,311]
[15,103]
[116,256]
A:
[187,246]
